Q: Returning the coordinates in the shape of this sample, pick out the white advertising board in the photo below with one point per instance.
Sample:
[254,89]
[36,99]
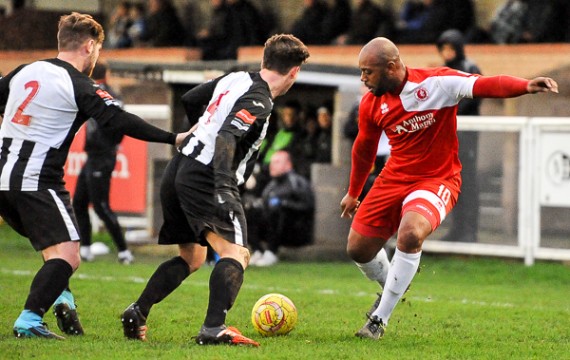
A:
[554,168]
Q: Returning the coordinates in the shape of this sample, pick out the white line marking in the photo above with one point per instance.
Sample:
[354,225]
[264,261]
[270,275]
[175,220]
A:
[268,289]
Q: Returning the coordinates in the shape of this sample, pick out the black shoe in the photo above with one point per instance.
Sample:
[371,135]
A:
[134,323]
[223,335]
[67,319]
[373,329]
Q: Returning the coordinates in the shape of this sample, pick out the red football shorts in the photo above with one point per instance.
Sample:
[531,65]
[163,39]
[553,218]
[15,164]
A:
[382,209]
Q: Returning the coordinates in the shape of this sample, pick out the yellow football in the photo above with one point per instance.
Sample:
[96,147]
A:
[274,314]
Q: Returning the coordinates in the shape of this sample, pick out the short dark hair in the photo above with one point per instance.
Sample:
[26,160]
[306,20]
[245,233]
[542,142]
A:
[75,28]
[282,52]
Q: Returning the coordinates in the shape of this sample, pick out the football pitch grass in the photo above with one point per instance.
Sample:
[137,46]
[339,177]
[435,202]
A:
[457,308]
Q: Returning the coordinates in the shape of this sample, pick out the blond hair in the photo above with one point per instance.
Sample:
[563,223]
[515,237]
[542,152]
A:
[75,29]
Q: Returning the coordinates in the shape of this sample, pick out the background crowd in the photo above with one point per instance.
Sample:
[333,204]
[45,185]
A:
[235,23]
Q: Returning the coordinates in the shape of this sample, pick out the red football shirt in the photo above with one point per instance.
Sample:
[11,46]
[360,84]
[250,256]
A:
[420,122]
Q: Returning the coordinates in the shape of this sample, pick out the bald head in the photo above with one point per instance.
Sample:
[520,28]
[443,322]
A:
[381,68]
[380,49]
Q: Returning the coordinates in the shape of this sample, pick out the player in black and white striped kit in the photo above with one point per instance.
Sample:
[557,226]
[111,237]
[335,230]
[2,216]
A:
[199,192]
[43,105]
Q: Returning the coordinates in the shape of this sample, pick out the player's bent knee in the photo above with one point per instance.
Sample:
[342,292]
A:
[359,253]
[410,239]
[362,249]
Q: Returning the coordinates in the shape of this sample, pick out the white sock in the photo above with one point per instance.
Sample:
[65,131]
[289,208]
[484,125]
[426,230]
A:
[402,271]
[377,269]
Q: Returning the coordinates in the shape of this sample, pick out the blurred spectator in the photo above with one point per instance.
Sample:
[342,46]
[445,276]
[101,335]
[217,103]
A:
[508,22]
[248,24]
[309,26]
[368,21]
[337,20]
[465,214]
[270,20]
[284,215]
[290,137]
[190,16]
[542,23]
[117,33]
[321,142]
[94,181]
[422,21]
[163,25]
[215,41]
[462,15]
[137,15]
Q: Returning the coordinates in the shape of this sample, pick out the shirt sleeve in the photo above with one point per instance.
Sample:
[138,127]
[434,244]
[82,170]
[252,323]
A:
[195,99]
[133,126]
[363,150]
[96,103]
[251,107]
[5,88]
[501,86]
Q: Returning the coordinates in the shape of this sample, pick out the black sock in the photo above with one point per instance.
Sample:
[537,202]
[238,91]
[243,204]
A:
[48,284]
[225,282]
[167,277]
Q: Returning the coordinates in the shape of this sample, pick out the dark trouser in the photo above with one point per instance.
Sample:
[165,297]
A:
[93,187]
[465,215]
[278,228]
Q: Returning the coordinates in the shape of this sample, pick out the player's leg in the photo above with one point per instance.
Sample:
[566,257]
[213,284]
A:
[99,187]
[167,278]
[374,223]
[48,284]
[413,231]
[225,282]
[50,224]
[375,269]
[369,256]
[226,278]
[170,274]
[423,211]
[64,307]
[81,210]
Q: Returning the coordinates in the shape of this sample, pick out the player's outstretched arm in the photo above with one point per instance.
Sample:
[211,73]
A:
[542,84]
[506,86]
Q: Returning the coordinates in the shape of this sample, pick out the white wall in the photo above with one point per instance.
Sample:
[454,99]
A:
[91,6]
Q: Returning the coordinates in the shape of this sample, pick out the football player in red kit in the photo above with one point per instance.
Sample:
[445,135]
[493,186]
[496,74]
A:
[421,181]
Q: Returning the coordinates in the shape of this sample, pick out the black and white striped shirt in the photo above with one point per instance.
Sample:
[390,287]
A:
[239,103]
[43,105]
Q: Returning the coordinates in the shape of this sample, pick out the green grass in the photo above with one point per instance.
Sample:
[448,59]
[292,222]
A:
[458,308]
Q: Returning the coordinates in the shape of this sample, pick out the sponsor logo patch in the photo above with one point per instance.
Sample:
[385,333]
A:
[245,116]
[109,100]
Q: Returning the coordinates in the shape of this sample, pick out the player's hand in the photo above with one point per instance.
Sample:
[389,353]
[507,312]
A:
[228,203]
[542,84]
[181,136]
[348,206]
